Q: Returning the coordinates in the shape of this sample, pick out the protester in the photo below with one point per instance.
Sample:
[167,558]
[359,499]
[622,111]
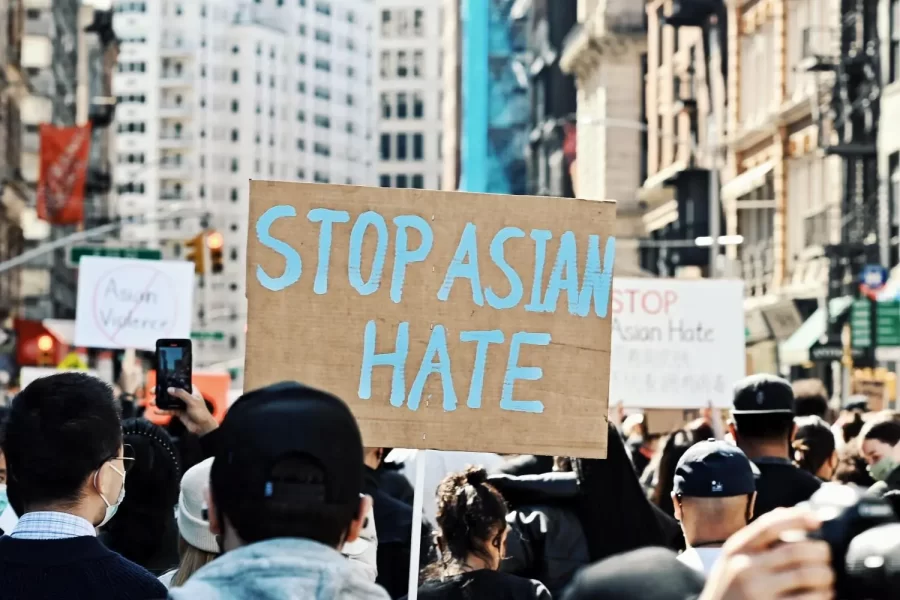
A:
[852,468]
[676,444]
[645,574]
[754,564]
[814,447]
[562,521]
[144,530]
[640,443]
[471,518]
[285,496]
[762,426]
[810,398]
[393,482]
[881,448]
[197,545]
[714,491]
[393,524]
[67,465]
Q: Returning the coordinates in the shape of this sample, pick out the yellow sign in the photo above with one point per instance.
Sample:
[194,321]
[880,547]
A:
[73,362]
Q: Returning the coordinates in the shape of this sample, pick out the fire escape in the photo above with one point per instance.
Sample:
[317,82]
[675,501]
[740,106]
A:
[848,128]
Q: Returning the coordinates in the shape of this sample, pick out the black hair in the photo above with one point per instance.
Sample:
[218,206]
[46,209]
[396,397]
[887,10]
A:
[148,510]
[764,426]
[256,520]
[60,429]
[885,430]
[700,430]
[676,445]
[614,511]
[471,514]
[813,443]
[852,428]
[810,398]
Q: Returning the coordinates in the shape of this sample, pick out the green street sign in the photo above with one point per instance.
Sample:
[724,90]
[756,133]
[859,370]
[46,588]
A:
[76,252]
[217,336]
[887,324]
[860,324]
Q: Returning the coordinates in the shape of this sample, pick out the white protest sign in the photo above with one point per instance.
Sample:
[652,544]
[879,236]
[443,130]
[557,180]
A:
[676,343]
[129,303]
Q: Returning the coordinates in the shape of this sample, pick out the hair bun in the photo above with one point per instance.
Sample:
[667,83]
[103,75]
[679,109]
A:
[476,476]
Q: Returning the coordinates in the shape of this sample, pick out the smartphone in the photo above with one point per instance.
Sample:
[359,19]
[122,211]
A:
[173,370]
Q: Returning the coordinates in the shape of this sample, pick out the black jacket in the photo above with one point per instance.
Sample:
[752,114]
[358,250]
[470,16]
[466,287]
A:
[483,585]
[781,484]
[526,464]
[393,524]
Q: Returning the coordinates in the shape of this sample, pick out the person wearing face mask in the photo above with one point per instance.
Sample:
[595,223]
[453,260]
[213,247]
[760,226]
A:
[471,516]
[66,477]
[881,449]
[714,491]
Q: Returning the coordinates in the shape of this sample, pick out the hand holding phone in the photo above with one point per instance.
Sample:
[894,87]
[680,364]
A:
[173,370]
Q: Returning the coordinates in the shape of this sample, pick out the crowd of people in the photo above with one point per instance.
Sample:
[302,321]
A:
[282,500]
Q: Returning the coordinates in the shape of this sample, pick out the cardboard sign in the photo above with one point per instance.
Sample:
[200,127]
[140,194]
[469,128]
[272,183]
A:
[676,343]
[128,303]
[445,320]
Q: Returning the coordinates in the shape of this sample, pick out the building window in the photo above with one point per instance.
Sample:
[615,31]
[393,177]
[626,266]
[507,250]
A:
[301,174]
[401,182]
[301,145]
[349,128]
[401,105]
[322,93]
[235,76]
[418,182]
[301,116]
[321,149]
[418,146]
[350,100]
[302,29]
[234,165]
[419,64]
[235,49]
[323,8]
[234,194]
[384,181]
[301,58]
[323,64]
[895,41]
[351,72]
[385,64]
[301,87]
[419,23]
[385,106]
[402,24]
[323,36]
[386,27]
[234,135]
[386,147]
[402,68]
[322,121]
[418,105]
[320,177]
[401,146]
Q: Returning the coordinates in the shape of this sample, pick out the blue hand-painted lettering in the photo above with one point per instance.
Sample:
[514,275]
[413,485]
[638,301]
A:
[483,339]
[395,359]
[293,266]
[540,237]
[464,264]
[515,373]
[327,218]
[437,347]
[354,269]
[403,256]
[515,282]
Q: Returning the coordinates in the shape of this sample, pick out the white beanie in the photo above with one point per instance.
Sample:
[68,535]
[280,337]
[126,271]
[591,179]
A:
[192,525]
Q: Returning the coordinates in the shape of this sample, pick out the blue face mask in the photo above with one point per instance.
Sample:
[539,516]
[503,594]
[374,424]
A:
[4,499]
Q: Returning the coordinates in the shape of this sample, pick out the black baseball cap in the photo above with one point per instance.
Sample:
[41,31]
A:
[714,469]
[762,394]
[288,420]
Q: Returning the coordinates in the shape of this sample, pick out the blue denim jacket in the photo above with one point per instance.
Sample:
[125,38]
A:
[280,569]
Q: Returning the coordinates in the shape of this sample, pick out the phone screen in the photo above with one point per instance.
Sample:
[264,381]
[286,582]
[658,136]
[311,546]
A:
[173,370]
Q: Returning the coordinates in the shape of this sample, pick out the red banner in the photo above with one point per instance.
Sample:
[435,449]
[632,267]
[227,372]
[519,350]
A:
[64,163]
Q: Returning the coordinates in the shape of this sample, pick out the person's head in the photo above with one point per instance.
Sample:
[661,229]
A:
[851,468]
[700,430]
[810,398]
[147,511]
[814,447]
[675,446]
[289,464]
[471,518]
[852,427]
[880,444]
[196,545]
[64,450]
[374,457]
[714,492]
[763,415]
[634,427]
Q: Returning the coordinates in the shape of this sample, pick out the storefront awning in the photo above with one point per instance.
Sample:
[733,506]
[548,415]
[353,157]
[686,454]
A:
[746,182]
[795,350]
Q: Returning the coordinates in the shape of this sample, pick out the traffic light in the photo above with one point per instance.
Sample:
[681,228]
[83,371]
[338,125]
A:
[45,348]
[196,254]
[216,243]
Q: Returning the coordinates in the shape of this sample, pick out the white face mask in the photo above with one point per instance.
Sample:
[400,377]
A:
[110,508]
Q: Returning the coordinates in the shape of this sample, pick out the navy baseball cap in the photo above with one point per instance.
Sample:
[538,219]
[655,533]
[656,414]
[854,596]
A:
[714,469]
[267,426]
[763,394]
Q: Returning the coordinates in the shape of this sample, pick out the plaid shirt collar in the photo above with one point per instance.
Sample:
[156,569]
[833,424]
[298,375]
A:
[47,525]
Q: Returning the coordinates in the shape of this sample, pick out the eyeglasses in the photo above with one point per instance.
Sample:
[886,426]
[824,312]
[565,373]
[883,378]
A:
[127,458]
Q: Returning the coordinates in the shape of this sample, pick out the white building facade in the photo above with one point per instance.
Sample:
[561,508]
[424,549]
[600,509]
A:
[409,86]
[214,93]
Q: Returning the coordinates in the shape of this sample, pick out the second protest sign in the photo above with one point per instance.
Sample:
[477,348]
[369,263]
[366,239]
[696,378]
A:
[445,320]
